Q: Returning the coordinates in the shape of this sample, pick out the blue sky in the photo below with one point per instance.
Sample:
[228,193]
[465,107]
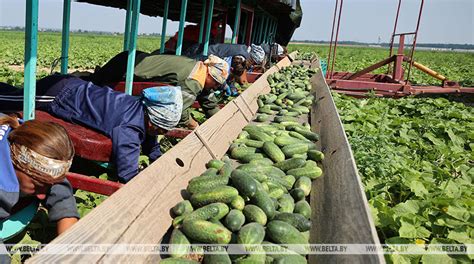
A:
[443,21]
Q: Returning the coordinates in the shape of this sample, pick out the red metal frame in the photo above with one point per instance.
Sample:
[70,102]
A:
[91,184]
[361,82]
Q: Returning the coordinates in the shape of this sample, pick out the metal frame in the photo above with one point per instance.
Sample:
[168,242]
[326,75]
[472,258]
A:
[182,20]
[31,50]
[164,26]
[132,47]
[210,12]
[235,32]
[126,34]
[65,36]
[203,21]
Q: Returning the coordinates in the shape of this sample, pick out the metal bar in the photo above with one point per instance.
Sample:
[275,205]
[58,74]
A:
[414,41]
[275,28]
[92,184]
[31,46]
[235,33]
[406,33]
[332,36]
[427,70]
[182,20]
[126,34]
[164,25]
[266,35]
[203,21]
[370,68]
[254,29]
[394,31]
[244,30]
[210,12]
[248,38]
[397,68]
[65,36]
[262,31]
[337,36]
[133,47]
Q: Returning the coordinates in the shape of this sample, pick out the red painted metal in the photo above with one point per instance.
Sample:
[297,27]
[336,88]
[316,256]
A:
[178,133]
[414,40]
[253,76]
[398,67]
[332,36]
[394,29]
[92,184]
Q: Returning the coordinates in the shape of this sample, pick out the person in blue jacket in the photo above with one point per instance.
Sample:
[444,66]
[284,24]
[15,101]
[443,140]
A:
[131,123]
[34,159]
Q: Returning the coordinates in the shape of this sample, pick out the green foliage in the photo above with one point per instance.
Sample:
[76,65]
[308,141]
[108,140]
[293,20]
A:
[415,157]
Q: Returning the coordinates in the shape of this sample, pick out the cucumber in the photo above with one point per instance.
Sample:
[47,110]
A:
[206,183]
[297,135]
[223,194]
[206,232]
[262,118]
[264,161]
[214,163]
[264,201]
[286,204]
[256,256]
[245,184]
[251,234]
[210,172]
[283,233]
[315,155]
[306,235]
[226,170]
[260,136]
[179,244]
[311,172]
[250,157]
[234,220]
[296,220]
[286,140]
[275,185]
[240,152]
[276,192]
[238,203]
[178,261]
[177,221]
[183,207]
[298,194]
[291,259]
[275,107]
[260,102]
[290,180]
[303,183]
[290,150]
[265,110]
[273,151]
[243,135]
[253,213]
[279,253]
[303,208]
[253,143]
[275,172]
[222,257]
[280,182]
[308,134]
[280,119]
[214,211]
[289,164]
[301,156]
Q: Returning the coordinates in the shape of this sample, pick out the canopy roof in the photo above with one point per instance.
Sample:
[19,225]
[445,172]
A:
[287,12]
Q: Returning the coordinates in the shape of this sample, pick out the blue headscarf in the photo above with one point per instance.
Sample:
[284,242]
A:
[163,105]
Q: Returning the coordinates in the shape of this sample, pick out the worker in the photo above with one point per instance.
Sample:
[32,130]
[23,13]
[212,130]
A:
[34,159]
[197,79]
[128,121]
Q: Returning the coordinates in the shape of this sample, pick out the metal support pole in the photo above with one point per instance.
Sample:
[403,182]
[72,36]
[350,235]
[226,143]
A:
[65,36]
[163,28]
[235,32]
[414,41]
[337,35]
[250,29]
[397,69]
[182,20]
[210,11]
[126,34]
[245,29]
[203,21]
[254,29]
[133,47]
[332,37]
[393,34]
[267,30]
[262,29]
[31,46]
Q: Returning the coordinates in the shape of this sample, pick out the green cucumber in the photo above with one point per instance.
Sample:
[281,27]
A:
[297,135]
[279,253]
[250,157]
[308,134]
[289,164]
[214,211]
[223,194]
[238,203]
[273,151]
[264,161]
[215,163]
[183,207]
[304,183]
[286,204]
[179,244]
[251,234]
[260,136]
[253,143]
[296,220]
[276,192]
[206,183]
[311,172]
[298,194]
[284,233]
[253,213]
[222,257]
[178,261]
[262,118]
[240,152]
[302,207]
[264,201]
[245,184]
[290,150]
[286,140]
[234,220]
[206,232]
[315,155]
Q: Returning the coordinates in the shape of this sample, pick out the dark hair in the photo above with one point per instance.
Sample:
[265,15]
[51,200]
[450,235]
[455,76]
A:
[46,138]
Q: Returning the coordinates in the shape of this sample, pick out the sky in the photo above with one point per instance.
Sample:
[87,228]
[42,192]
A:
[443,21]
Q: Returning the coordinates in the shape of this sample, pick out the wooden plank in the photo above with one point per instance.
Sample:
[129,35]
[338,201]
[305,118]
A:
[340,210]
[138,212]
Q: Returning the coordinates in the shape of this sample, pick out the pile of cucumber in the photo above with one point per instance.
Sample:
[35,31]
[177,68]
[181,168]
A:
[263,202]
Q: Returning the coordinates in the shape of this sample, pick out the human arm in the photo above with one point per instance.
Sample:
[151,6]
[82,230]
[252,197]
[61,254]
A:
[126,142]
[61,206]
[151,148]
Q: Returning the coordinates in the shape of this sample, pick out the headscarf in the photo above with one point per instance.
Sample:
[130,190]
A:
[257,53]
[37,166]
[163,105]
[280,50]
[217,68]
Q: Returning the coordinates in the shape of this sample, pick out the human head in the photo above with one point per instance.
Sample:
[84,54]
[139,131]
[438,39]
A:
[163,107]
[257,54]
[41,154]
[238,65]
[217,72]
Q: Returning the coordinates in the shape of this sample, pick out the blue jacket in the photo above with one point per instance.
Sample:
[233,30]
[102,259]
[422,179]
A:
[117,115]
[60,201]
